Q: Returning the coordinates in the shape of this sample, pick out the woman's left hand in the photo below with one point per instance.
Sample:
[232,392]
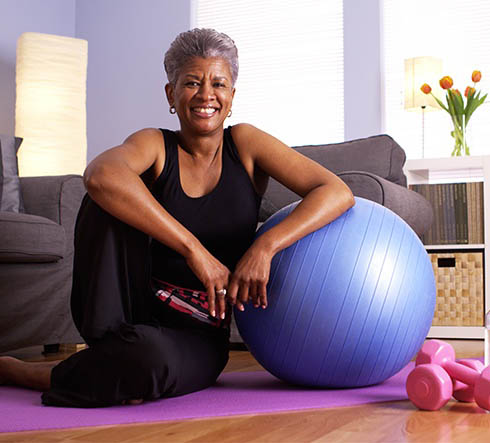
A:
[249,280]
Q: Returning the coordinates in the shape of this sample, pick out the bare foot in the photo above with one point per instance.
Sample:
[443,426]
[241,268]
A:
[33,375]
[7,365]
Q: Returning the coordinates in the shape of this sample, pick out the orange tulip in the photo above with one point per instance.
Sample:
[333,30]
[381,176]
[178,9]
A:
[476,76]
[446,82]
[469,91]
[456,91]
[425,88]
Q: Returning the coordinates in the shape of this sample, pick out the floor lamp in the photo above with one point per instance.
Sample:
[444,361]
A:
[420,70]
[50,108]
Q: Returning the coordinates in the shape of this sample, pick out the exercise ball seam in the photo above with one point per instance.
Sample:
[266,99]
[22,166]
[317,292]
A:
[407,346]
[373,335]
[322,287]
[343,304]
[316,303]
[286,308]
[427,274]
[403,316]
[373,251]
[291,332]
[412,350]
[394,310]
[385,299]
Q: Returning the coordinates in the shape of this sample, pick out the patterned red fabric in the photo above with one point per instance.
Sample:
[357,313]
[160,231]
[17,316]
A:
[189,301]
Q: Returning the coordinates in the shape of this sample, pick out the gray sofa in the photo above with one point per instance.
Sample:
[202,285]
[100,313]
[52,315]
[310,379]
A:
[36,254]
[36,248]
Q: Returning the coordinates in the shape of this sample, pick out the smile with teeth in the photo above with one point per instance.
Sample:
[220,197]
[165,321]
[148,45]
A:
[207,111]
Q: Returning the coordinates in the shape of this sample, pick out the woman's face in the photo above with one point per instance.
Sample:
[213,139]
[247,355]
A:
[202,95]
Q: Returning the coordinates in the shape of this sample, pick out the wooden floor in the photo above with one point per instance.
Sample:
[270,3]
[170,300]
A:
[382,422]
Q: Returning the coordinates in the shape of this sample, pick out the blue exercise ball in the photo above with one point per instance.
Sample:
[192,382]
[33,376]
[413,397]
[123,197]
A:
[348,305]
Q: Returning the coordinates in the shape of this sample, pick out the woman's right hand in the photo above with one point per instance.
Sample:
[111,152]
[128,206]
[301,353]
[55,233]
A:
[214,276]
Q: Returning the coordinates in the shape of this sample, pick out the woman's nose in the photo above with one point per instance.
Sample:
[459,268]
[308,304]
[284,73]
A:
[206,90]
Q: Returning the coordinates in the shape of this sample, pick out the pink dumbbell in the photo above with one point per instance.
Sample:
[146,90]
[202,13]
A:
[462,391]
[430,384]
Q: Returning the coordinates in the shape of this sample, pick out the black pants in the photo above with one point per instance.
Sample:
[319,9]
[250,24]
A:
[138,348]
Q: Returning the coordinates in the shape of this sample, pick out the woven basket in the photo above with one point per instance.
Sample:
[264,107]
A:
[459,282]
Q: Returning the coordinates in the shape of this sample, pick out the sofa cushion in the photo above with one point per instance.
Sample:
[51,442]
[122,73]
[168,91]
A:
[26,238]
[365,185]
[379,154]
[10,195]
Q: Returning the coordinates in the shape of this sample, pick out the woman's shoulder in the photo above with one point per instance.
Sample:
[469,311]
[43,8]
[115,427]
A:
[243,130]
[145,135]
[149,140]
[253,141]
[245,137]
[148,145]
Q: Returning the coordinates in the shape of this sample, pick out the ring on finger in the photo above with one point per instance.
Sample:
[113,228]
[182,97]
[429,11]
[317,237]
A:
[221,292]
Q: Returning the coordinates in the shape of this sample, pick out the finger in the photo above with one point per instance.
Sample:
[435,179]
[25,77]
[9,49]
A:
[211,301]
[262,294]
[240,306]
[252,294]
[221,303]
[232,291]
[243,295]
[232,295]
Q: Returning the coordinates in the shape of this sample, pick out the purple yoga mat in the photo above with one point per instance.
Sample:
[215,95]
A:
[235,393]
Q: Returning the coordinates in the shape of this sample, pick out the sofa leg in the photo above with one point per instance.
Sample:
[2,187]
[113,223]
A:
[51,349]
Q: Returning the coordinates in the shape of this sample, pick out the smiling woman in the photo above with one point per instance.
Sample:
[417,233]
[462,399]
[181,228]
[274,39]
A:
[165,241]
[203,94]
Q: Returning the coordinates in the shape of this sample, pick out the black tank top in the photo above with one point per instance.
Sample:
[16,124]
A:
[224,220]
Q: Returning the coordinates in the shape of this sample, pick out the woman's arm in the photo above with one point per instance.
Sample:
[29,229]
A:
[325,197]
[113,180]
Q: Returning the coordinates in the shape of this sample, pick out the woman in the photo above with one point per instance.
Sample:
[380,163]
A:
[171,210]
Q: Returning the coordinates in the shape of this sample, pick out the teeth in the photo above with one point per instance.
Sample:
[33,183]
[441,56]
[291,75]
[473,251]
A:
[205,110]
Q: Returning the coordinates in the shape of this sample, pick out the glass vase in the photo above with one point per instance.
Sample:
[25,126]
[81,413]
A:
[459,134]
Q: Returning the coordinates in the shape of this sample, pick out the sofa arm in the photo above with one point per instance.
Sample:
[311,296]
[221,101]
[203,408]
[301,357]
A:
[57,198]
[410,206]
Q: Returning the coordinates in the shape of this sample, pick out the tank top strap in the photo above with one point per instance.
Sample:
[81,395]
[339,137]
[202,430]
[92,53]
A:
[230,147]
[171,166]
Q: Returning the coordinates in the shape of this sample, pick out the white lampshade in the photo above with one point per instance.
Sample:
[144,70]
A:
[50,109]
[420,70]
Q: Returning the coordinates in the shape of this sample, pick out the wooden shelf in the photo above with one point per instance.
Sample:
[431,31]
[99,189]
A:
[455,246]
[468,332]
[457,170]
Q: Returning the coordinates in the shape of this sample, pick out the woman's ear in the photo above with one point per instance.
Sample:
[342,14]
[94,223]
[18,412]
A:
[169,90]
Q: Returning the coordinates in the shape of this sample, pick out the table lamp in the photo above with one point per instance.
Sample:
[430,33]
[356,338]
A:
[420,70]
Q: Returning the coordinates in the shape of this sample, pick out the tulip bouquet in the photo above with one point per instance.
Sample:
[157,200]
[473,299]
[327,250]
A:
[459,111]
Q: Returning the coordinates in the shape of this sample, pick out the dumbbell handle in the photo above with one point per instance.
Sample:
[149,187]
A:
[461,372]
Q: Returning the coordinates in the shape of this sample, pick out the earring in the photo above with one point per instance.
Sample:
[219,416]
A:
[172,109]
[229,114]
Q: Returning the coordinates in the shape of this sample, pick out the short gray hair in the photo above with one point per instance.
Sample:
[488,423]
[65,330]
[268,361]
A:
[200,42]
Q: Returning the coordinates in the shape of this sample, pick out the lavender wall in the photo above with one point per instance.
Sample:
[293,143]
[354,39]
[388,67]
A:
[16,17]
[362,68]
[126,41]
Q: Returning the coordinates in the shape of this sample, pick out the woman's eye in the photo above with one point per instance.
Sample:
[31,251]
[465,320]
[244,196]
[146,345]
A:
[192,84]
[219,85]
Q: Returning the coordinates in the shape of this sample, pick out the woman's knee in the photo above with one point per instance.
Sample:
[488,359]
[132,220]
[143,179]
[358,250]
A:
[145,350]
